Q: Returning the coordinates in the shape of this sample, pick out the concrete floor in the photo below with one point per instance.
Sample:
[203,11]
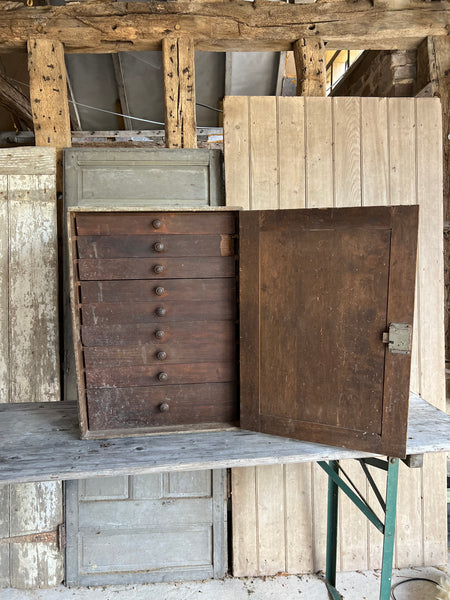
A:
[352,586]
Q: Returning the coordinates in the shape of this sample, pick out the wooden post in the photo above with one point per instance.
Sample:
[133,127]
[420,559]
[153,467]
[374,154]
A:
[309,55]
[48,94]
[179,92]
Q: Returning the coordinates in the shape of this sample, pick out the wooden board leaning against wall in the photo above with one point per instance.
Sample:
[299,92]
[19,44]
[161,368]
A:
[29,355]
[321,152]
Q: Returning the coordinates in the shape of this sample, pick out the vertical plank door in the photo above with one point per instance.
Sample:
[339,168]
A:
[29,354]
[344,152]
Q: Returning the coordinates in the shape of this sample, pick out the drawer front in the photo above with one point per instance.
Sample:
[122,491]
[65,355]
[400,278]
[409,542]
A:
[160,375]
[162,406]
[194,333]
[195,223]
[161,268]
[177,351]
[133,246]
[176,290]
[156,312]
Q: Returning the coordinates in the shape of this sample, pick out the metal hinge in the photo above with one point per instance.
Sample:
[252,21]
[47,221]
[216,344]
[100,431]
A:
[57,536]
[398,338]
[61,530]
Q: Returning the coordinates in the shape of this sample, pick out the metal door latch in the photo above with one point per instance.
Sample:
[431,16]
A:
[398,338]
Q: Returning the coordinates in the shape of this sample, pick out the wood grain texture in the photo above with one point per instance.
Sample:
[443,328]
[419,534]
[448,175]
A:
[29,324]
[217,27]
[179,92]
[51,448]
[365,280]
[381,133]
[48,96]
[195,223]
[309,56]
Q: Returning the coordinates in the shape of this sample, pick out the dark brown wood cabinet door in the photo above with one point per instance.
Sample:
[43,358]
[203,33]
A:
[320,290]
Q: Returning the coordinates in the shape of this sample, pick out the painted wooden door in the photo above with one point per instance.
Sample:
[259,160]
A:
[320,153]
[149,527]
[146,528]
[318,290]
[29,355]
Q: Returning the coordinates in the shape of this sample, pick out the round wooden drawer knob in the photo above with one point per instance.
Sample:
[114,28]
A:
[163,376]
[159,334]
[161,355]
[160,311]
[158,269]
[156,224]
[158,247]
[159,291]
[163,407]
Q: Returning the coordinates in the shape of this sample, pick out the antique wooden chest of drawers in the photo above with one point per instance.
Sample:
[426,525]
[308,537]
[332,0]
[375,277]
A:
[325,307]
[154,300]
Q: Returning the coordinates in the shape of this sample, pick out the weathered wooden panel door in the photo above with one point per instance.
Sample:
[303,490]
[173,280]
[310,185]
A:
[152,527]
[30,513]
[318,289]
[146,528]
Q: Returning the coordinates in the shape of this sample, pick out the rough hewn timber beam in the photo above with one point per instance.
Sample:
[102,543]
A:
[106,27]
[179,92]
[48,96]
[309,54]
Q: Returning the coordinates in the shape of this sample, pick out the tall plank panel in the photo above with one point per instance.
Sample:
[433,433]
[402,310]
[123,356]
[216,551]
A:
[430,302]
[29,353]
[346,113]
[360,151]
[374,192]
[402,188]
[291,152]
[236,148]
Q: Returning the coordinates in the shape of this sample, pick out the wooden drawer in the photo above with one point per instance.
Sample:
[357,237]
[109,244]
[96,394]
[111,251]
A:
[144,407]
[134,246]
[177,290]
[194,333]
[141,223]
[164,374]
[161,268]
[156,312]
[155,309]
[176,351]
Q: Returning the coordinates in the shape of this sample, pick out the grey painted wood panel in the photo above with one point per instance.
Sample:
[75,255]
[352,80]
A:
[142,539]
[157,526]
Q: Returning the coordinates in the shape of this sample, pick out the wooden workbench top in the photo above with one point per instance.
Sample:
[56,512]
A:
[41,442]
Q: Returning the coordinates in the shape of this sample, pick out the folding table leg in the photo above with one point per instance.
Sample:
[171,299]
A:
[389,528]
[332,528]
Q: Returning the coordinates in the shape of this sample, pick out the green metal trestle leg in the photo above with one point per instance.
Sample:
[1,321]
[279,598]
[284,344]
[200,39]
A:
[389,507]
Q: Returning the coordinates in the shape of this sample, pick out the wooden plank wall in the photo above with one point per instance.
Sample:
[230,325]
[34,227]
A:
[322,152]
[29,354]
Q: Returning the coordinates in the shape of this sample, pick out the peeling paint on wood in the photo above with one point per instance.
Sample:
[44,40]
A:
[29,354]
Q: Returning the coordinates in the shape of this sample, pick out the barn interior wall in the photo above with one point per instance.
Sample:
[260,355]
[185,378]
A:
[382,74]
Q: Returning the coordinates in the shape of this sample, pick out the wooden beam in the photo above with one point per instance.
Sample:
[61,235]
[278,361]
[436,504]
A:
[121,89]
[48,94]
[109,27]
[309,55]
[179,92]
[14,101]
